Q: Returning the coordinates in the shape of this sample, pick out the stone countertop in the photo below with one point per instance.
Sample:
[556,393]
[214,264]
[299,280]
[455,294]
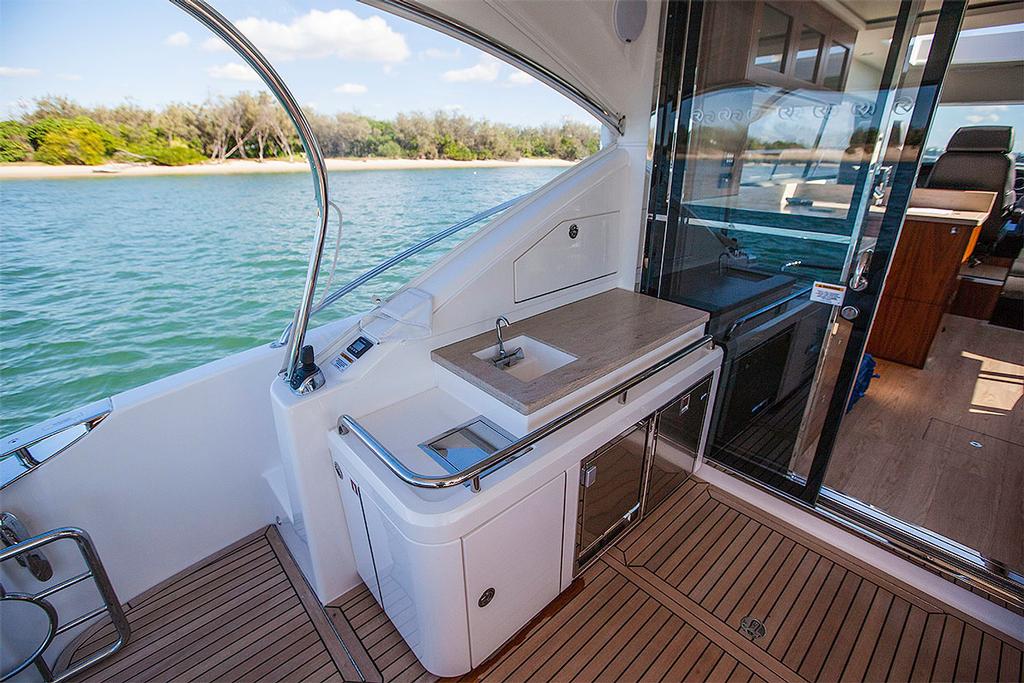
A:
[605,332]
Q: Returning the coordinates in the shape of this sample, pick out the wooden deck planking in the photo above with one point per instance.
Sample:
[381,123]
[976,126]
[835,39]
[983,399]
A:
[667,602]
[664,605]
[244,614]
[826,618]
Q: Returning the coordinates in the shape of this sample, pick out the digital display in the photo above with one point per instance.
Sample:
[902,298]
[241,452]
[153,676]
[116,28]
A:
[359,346]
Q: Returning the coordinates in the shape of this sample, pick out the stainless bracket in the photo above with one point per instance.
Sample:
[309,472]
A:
[13,532]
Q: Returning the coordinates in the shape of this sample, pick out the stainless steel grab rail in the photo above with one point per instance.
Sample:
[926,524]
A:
[399,258]
[348,424]
[227,32]
[97,573]
[19,446]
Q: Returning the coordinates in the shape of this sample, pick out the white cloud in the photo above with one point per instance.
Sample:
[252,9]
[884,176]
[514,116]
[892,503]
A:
[232,71]
[351,89]
[69,77]
[319,34]
[436,53]
[18,71]
[452,107]
[215,45]
[520,78]
[179,39]
[484,71]
[982,118]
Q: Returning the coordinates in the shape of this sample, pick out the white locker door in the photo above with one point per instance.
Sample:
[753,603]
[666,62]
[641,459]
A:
[513,566]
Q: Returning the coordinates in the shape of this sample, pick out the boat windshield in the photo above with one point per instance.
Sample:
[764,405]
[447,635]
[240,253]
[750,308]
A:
[949,117]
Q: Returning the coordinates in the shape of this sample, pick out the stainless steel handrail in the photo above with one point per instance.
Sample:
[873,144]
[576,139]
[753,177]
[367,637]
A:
[227,32]
[19,444]
[741,321]
[348,424]
[111,605]
[399,258]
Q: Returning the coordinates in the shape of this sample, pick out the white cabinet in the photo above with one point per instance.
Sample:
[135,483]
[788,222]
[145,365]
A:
[513,566]
[424,593]
[431,591]
[356,522]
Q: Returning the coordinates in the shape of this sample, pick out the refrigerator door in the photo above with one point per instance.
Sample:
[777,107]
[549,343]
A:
[611,487]
[680,425]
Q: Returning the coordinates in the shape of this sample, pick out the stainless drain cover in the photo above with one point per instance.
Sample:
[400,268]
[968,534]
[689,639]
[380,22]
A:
[751,628]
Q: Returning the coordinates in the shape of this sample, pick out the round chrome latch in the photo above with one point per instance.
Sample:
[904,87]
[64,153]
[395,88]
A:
[574,230]
[486,598]
[849,312]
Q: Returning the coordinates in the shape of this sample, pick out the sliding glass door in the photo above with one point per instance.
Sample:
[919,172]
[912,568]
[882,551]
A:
[787,143]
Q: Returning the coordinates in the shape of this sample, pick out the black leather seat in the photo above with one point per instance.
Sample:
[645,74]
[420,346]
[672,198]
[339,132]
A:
[977,158]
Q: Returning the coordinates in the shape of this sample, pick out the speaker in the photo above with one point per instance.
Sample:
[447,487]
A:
[630,16]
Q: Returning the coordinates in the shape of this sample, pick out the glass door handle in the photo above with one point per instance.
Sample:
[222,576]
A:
[858,281]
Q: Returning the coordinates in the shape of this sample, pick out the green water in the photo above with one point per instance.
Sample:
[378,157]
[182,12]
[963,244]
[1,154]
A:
[109,283]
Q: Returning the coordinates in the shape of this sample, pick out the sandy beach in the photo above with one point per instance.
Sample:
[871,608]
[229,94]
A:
[42,171]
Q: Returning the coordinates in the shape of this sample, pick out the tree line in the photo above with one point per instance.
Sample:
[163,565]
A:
[57,130]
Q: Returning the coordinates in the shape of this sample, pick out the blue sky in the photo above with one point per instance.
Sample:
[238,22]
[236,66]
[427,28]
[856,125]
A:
[336,55]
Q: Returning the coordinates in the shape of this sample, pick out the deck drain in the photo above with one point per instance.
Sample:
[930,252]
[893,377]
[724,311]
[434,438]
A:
[751,628]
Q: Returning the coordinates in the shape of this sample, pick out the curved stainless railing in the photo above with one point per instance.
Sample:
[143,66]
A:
[95,571]
[227,32]
[27,449]
[393,261]
[348,424]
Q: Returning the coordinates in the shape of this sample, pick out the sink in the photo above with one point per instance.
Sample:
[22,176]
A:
[540,358]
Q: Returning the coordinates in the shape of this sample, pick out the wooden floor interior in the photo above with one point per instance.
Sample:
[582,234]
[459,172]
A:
[667,602]
[243,614]
[943,447]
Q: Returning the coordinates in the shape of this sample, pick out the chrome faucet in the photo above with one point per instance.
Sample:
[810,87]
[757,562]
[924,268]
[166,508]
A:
[505,358]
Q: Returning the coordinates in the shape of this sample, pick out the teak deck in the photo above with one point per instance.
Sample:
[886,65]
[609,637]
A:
[243,614]
[665,603]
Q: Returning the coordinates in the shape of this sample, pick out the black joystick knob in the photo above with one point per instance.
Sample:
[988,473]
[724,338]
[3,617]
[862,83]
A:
[307,368]
[306,357]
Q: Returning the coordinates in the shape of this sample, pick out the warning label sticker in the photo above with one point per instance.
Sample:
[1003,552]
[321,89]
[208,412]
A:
[828,293]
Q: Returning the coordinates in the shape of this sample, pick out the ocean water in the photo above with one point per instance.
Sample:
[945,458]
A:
[109,283]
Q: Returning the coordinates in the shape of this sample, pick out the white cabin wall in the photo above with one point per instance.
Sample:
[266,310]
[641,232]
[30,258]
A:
[173,474]
[635,139]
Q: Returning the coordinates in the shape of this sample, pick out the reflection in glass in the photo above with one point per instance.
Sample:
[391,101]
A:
[835,65]
[807,53]
[793,153]
[771,39]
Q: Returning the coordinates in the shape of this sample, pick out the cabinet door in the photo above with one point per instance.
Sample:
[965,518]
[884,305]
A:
[513,564]
[356,521]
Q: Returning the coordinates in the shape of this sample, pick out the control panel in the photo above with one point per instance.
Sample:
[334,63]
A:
[353,352]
